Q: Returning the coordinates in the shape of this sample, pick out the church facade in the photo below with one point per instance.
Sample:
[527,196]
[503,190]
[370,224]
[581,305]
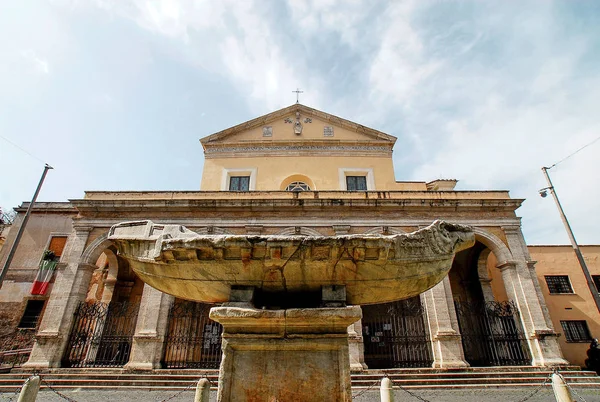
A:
[298,172]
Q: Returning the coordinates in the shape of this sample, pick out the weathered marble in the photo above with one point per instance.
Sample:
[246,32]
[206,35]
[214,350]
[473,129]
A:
[373,268]
[285,355]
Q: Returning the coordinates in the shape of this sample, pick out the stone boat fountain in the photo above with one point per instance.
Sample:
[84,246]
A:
[286,301]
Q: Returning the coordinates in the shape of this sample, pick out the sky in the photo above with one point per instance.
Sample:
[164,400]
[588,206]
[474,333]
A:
[115,94]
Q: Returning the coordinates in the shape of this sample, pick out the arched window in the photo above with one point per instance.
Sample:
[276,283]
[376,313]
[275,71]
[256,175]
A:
[297,186]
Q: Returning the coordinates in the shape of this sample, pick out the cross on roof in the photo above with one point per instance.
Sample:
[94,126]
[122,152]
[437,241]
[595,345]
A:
[298,92]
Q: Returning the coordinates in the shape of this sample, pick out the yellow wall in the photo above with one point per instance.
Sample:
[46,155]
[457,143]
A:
[561,260]
[323,171]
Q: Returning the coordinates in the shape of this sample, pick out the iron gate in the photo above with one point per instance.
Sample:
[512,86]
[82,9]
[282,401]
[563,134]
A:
[101,335]
[193,340]
[491,334]
[395,335]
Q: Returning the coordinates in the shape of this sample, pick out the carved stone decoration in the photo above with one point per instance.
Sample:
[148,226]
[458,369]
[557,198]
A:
[267,131]
[297,123]
[299,148]
[374,268]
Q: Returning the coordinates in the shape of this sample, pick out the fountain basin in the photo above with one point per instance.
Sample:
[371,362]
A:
[373,268]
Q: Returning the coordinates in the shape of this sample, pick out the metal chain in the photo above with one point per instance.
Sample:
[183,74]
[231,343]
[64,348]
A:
[17,391]
[63,396]
[410,393]
[365,390]
[570,387]
[538,389]
[175,395]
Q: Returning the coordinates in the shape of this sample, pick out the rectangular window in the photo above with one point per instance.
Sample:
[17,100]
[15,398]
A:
[356,183]
[239,183]
[57,245]
[576,331]
[558,284]
[32,314]
[596,279]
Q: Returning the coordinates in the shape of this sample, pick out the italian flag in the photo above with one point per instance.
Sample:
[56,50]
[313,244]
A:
[47,268]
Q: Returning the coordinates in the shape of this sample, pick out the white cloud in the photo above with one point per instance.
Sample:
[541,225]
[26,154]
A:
[230,38]
[39,64]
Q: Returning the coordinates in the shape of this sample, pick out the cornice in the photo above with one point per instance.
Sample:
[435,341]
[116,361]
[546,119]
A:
[304,222]
[267,204]
[296,148]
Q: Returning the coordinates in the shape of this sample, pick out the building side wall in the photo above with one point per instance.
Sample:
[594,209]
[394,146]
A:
[561,260]
[16,287]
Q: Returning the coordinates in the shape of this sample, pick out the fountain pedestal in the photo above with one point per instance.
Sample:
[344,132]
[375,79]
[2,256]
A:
[285,355]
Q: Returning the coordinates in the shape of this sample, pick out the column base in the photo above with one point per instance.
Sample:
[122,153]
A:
[45,353]
[145,353]
[449,351]
[546,343]
[285,355]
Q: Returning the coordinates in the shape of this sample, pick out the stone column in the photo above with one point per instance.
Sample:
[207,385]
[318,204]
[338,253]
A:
[356,347]
[484,278]
[70,288]
[520,283]
[150,330]
[443,327]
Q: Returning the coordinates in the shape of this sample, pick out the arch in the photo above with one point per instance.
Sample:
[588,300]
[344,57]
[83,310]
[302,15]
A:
[492,242]
[297,177]
[298,231]
[95,248]
[380,230]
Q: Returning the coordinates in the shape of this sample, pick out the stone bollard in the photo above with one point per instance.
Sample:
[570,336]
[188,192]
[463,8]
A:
[386,390]
[30,389]
[560,388]
[202,391]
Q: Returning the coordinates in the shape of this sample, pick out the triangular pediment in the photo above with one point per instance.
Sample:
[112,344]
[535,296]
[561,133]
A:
[297,123]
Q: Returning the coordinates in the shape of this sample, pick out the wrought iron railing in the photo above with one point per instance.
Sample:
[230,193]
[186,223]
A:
[395,335]
[14,358]
[101,335]
[193,340]
[492,334]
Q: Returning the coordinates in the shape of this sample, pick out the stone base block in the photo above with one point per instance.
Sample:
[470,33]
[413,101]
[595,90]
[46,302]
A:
[285,355]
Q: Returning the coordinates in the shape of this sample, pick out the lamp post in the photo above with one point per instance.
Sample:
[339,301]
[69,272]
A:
[584,268]
[15,244]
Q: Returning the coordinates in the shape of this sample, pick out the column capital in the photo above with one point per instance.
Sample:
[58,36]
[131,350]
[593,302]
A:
[506,264]
[84,265]
[511,229]
[341,229]
[82,230]
[254,229]
[531,264]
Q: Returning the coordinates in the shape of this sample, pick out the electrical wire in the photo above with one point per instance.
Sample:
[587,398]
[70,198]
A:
[580,149]
[22,149]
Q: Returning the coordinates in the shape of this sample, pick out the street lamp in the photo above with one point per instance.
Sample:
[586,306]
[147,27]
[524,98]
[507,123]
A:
[544,193]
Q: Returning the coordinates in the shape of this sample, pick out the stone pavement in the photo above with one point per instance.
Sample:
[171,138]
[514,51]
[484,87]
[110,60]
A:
[456,395]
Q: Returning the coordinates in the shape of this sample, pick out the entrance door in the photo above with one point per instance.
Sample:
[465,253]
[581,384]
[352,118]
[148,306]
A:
[491,334]
[395,335]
